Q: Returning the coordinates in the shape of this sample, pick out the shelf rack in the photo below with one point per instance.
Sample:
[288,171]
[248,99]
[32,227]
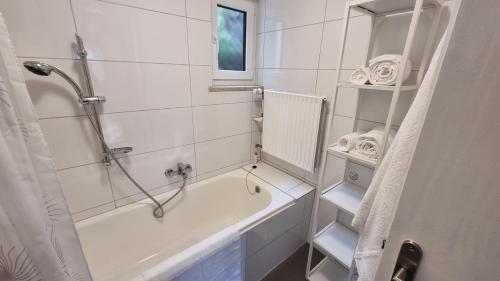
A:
[337,241]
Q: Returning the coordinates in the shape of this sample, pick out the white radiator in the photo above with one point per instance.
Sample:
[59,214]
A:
[291,127]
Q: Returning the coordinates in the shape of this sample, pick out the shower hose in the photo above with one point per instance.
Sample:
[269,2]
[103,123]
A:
[158,212]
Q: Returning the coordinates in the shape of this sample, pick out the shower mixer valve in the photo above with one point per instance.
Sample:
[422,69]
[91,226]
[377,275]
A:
[182,170]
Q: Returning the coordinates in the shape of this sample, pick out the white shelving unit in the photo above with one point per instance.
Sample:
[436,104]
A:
[336,240]
[345,196]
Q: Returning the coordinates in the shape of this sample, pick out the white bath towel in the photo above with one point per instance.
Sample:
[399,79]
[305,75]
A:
[384,69]
[370,144]
[218,257]
[347,142]
[360,76]
[377,210]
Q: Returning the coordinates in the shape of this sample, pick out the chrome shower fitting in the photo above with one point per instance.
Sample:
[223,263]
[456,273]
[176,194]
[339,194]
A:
[182,170]
[43,69]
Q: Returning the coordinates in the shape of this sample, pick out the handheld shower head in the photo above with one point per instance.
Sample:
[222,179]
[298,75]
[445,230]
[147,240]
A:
[43,69]
[38,68]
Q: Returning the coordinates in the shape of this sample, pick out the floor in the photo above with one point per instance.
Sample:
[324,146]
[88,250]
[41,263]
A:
[294,268]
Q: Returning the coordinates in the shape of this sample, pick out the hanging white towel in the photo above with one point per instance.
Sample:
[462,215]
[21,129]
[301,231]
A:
[385,69]
[360,76]
[377,210]
[370,144]
[347,142]
[219,257]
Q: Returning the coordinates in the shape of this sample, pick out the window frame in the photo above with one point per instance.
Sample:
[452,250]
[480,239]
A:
[249,8]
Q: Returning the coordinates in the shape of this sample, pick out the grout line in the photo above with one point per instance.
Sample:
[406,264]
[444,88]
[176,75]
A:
[309,24]
[115,61]
[191,93]
[225,137]
[154,11]
[237,166]
[319,55]
[91,208]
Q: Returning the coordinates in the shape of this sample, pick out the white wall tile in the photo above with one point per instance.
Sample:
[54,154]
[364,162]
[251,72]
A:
[130,34]
[85,187]
[93,212]
[357,42]
[155,191]
[51,95]
[199,9]
[261,15]
[220,153]
[374,106]
[140,86]
[335,167]
[200,43]
[290,80]
[148,170]
[259,54]
[335,10]
[172,6]
[149,130]
[292,13]
[201,79]
[395,29]
[364,174]
[30,21]
[341,125]
[71,141]
[221,171]
[293,48]
[216,121]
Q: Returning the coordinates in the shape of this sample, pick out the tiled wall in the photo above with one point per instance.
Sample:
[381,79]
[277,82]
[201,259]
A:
[297,52]
[152,61]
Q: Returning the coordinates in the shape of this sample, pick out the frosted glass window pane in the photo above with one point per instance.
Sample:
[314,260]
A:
[231,31]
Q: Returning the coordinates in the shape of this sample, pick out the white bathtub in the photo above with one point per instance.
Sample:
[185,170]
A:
[122,244]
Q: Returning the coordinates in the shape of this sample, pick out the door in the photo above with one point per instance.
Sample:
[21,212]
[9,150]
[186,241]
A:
[450,203]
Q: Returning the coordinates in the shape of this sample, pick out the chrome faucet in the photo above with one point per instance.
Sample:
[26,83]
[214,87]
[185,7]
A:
[182,170]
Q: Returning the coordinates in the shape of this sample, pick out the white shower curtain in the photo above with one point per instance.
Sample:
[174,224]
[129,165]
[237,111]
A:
[38,241]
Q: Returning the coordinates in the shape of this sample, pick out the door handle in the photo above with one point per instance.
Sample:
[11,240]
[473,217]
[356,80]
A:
[408,261]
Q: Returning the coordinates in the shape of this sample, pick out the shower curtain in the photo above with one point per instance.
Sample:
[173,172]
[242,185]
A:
[38,241]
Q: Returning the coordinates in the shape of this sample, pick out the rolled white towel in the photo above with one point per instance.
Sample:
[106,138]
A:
[347,142]
[369,144]
[384,69]
[360,76]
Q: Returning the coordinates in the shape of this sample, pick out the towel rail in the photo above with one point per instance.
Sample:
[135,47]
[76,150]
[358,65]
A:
[236,88]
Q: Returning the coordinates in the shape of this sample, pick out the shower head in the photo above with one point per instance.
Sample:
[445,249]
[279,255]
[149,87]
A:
[38,68]
[43,69]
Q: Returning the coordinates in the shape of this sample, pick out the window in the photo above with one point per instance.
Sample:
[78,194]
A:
[233,33]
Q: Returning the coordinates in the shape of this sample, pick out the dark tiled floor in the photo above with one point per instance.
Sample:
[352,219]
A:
[294,268]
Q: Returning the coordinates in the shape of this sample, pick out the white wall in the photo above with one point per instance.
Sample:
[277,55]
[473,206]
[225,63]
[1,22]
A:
[152,61]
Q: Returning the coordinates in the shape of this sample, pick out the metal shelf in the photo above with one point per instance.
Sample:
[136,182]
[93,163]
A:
[354,157]
[338,242]
[345,196]
[404,88]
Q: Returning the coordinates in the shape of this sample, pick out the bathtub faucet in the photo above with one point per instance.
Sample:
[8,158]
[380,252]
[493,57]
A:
[182,170]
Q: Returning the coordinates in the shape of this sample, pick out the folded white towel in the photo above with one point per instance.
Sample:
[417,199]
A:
[347,142]
[385,69]
[360,76]
[369,144]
